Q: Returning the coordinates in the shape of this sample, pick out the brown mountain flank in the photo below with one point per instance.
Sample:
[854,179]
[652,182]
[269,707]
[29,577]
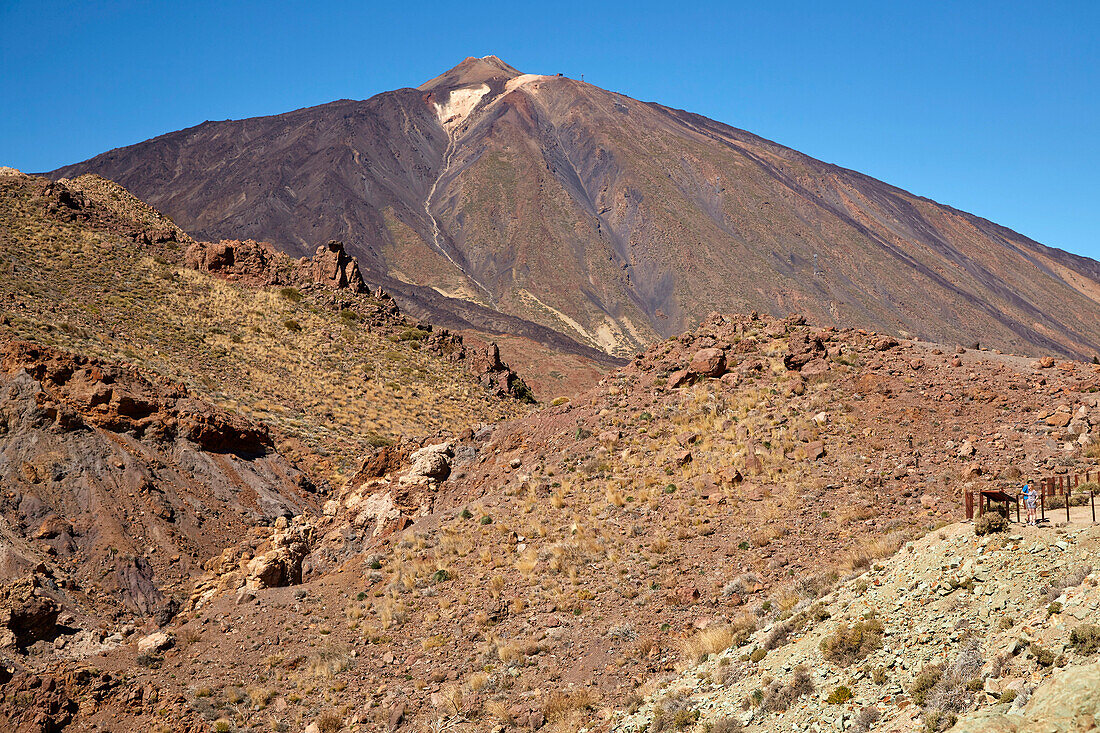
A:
[553,210]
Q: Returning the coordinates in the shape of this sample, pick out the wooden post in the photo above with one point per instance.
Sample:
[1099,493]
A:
[1017,509]
[1092,503]
[1043,500]
[1067,505]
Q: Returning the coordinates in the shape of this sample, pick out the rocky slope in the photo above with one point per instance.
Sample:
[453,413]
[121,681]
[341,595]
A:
[548,573]
[298,344]
[582,219]
[116,490]
[1000,630]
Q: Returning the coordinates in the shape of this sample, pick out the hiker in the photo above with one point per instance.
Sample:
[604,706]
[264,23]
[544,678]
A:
[1031,497]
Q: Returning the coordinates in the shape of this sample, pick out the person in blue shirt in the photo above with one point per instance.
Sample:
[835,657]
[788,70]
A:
[1031,499]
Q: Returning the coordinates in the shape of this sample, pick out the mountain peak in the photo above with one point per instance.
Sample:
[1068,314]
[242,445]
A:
[472,70]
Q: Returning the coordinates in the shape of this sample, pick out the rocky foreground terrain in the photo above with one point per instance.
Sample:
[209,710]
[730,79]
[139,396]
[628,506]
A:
[993,633]
[212,519]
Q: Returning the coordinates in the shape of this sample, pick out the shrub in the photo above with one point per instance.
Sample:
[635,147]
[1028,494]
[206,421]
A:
[291,294]
[777,637]
[723,725]
[1085,639]
[779,697]
[329,722]
[990,523]
[1054,609]
[839,695]
[1043,656]
[867,717]
[292,325]
[440,576]
[935,721]
[675,711]
[757,655]
[1071,579]
[561,705]
[924,682]
[1007,696]
[849,644]
[1079,497]
[709,641]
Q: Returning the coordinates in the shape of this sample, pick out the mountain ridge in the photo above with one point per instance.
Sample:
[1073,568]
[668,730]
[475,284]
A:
[611,221]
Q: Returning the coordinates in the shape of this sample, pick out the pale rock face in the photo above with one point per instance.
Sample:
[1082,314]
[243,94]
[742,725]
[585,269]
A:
[429,464]
[460,103]
[155,642]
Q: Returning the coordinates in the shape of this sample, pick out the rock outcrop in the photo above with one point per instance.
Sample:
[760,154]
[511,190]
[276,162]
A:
[81,390]
[260,264]
[27,613]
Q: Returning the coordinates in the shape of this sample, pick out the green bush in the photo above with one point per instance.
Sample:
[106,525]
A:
[849,644]
[413,334]
[839,695]
[1085,639]
[292,325]
[291,294]
[924,682]
[1043,656]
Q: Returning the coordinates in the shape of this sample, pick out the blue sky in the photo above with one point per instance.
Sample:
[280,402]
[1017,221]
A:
[991,107]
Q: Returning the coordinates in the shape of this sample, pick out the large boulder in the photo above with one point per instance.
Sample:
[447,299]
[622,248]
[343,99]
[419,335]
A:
[708,363]
[430,464]
[1069,701]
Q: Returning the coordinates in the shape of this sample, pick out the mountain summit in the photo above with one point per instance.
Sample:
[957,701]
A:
[587,220]
[472,70]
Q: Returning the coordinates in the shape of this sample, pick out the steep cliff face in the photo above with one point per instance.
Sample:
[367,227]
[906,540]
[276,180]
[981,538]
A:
[542,205]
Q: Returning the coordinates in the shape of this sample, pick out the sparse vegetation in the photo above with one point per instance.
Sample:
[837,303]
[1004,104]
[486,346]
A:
[851,643]
[990,523]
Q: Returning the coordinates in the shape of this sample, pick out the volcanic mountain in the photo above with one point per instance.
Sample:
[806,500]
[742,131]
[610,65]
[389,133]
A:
[590,222]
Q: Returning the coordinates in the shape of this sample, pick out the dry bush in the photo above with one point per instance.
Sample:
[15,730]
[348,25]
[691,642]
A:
[563,705]
[778,636]
[498,711]
[329,722]
[860,558]
[675,711]
[713,640]
[741,585]
[1085,639]
[260,696]
[1072,579]
[990,523]
[328,662]
[779,697]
